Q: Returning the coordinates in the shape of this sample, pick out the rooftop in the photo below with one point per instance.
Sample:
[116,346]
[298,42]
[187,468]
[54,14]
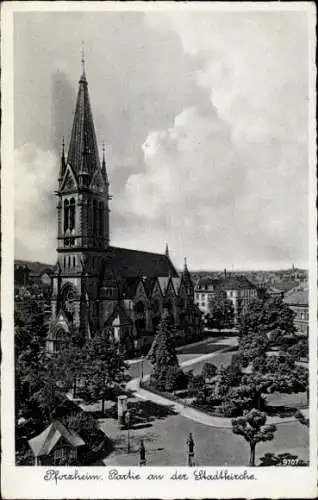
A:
[298,298]
[227,283]
[44,443]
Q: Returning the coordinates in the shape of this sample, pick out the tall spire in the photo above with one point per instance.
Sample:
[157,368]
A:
[83,76]
[83,144]
[186,274]
[63,162]
[185,264]
[104,171]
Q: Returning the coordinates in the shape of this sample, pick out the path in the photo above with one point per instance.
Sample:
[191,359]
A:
[192,413]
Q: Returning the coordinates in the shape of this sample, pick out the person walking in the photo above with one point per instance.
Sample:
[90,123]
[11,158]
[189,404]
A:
[190,444]
[142,453]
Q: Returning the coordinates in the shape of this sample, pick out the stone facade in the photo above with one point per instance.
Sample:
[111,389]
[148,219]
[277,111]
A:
[95,286]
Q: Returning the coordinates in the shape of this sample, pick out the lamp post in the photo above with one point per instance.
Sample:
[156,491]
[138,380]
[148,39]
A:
[190,444]
[142,367]
[128,424]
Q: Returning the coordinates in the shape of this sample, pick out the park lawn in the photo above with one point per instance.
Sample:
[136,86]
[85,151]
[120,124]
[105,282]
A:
[223,358]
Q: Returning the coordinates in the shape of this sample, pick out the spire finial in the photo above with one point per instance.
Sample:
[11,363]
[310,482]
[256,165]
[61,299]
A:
[103,156]
[63,146]
[185,263]
[83,57]
[167,250]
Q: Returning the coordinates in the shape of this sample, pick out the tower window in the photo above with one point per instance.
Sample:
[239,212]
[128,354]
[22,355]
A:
[66,214]
[69,262]
[64,262]
[74,261]
[72,214]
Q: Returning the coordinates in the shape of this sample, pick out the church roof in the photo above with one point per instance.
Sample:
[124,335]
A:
[44,443]
[136,263]
[163,282]
[176,284]
[83,151]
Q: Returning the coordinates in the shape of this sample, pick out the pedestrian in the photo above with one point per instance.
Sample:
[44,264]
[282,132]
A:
[190,444]
[142,453]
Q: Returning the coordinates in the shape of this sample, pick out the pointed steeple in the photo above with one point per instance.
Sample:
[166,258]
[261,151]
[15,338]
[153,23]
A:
[185,267]
[104,171]
[167,250]
[83,144]
[63,162]
[186,274]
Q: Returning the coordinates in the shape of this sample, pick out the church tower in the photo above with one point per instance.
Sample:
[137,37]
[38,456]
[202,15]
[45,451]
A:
[82,221]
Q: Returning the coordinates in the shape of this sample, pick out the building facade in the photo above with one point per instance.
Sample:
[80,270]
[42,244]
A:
[97,286]
[238,289]
[298,302]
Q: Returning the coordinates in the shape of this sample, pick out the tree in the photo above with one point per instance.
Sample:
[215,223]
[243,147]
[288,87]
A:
[36,389]
[221,312]
[29,326]
[267,315]
[197,387]
[252,348]
[252,426]
[299,349]
[69,365]
[104,367]
[227,378]
[209,371]
[162,354]
[86,425]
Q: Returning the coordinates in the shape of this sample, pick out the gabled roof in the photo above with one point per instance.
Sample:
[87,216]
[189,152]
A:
[44,443]
[163,282]
[83,145]
[136,263]
[285,285]
[234,283]
[227,283]
[176,284]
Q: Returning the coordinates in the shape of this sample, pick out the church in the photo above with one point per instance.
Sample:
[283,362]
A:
[97,287]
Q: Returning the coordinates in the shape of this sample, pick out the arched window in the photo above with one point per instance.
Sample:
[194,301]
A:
[140,316]
[74,261]
[64,262]
[61,339]
[69,262]
[72,214]
[101,219]
[156,313]
[66,214]
[95,215]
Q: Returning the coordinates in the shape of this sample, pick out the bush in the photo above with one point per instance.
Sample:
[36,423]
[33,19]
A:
[229,409]
[209,371]
[197,387]
[172,379]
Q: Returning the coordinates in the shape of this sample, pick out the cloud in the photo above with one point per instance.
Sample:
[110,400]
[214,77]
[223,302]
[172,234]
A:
[233,177]
[34,184]
[206,115]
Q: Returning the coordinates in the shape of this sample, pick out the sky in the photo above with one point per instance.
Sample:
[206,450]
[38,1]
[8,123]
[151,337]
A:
[204,116]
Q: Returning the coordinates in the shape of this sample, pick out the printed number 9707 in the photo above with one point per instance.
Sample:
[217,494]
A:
[291,461]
